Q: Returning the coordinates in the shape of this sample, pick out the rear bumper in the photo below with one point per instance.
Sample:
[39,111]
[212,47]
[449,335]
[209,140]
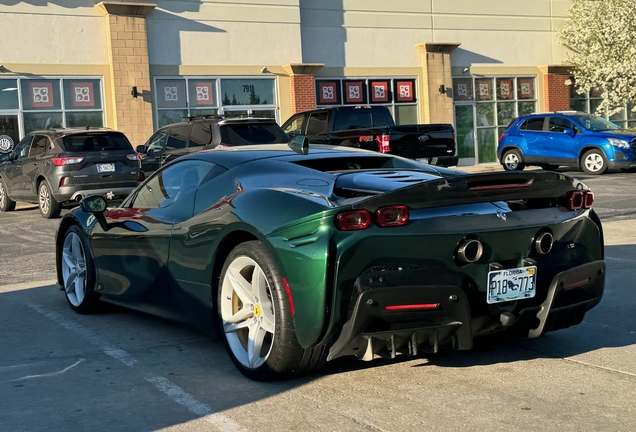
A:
[76,193]
[373,330]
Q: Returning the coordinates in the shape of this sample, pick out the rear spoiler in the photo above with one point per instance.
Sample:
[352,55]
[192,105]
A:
[475,188]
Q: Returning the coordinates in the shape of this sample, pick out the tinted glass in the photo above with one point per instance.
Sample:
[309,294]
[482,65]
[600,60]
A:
[353,120]
[318,123]
[294,127]
[255,133]
[382,117]
[177,137]
[156,142]
[535,124]
[22,149]
[593,123]
[96,142]
[558,124]
[201,134]
[39,146]
[173,190]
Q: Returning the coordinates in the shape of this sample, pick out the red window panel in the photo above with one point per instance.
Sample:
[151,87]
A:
[354,91]
[404,91]
[379,91]
[82,95]
[327,93]
[41,94]
[202,93]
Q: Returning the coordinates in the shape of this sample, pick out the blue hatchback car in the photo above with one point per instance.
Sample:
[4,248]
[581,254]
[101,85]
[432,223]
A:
[566,138]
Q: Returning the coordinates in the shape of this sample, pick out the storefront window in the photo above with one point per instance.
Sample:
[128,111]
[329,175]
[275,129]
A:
[180,98]
[9,94]
[399,95]
[496,103]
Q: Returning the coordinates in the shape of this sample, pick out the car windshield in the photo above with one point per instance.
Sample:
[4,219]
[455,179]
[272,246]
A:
[252,133]
[593,123]
[96,142]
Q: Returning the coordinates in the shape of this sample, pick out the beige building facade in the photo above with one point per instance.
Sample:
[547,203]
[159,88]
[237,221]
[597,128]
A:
[136,66]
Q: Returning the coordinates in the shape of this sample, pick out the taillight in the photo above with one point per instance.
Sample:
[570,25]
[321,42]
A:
[384,143]
[352,220]
[59,161]
[577,200]
[142,176]
[134,157]
[392,216]
[63,181]
[501,137]
[419,306]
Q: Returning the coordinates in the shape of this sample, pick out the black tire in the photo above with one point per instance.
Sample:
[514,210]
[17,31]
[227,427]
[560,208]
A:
[549,167]
[89,301]
[594,162]
[286,357]
[6,203]
[49,207]
[512,160]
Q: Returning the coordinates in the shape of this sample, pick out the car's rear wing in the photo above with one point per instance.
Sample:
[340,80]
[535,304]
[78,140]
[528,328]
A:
[476,188]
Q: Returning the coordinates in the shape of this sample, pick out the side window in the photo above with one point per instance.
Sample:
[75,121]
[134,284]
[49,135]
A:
[558,124]
[40,146]
[157,142]
[533,124]
[22,149]
[178,137]
[294,127]
[318,123]
[201,134]
[172,191]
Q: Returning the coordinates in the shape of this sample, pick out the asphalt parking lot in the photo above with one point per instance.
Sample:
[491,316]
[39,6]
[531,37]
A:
[123,370]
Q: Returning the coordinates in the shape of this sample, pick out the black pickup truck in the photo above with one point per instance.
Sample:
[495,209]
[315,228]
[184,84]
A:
[373,128]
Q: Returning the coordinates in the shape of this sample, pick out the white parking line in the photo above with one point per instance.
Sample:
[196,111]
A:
[173,391]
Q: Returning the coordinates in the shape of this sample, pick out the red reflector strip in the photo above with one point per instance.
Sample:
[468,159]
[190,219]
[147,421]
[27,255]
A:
[576,284]
[289,296]
[501,186]
[412,306]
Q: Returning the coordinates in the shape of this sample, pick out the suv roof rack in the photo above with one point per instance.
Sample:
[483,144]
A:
[204,117]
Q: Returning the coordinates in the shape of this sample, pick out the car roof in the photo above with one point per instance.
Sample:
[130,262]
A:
[554,113]
[220,120]
[62,132]
[230,157]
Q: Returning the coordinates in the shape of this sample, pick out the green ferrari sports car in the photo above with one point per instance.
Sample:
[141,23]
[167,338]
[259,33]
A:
[297,255]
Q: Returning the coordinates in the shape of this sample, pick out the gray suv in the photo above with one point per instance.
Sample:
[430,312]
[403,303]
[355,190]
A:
[204,133]
[60,166]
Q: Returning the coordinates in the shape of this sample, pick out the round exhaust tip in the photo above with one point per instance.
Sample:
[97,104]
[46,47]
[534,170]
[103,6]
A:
[543,243]
[469,251]
[78,198]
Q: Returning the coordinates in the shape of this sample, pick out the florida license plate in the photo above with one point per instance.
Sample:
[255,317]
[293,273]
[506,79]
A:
[106,167]
[512,284]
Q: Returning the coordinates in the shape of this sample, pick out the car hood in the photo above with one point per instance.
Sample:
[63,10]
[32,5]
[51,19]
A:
[618,133]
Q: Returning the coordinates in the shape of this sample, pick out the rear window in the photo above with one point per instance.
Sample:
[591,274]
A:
[254,133]
[535,124]
[360,118]
[96,142]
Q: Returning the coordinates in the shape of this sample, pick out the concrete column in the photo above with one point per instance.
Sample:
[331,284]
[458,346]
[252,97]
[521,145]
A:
[436,64]
[302,85]
[128,57]
[556,92]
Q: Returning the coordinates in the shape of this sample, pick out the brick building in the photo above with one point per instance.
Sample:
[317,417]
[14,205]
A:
[138,65]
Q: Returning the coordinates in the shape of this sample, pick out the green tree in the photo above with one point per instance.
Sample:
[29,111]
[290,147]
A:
[226,99]
[601,36]
[254,98]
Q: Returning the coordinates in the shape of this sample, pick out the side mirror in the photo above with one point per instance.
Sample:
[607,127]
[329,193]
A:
[93,204]
[300,145]
[569,131]
[141,149]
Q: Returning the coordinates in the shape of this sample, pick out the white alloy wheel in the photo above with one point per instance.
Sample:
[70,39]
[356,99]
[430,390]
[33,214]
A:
[594,162]
[74,269]
[512,161]
[247,312]
[45,198]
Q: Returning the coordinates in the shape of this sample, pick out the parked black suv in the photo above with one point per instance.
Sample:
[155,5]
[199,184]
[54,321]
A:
[204,133]
[57,166]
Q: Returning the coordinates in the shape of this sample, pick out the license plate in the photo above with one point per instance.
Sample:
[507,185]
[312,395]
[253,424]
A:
[366,138]
[425,160]
[512,284]
[107,167]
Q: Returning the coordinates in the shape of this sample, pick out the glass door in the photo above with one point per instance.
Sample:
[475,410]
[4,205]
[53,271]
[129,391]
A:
[9,132]
[465,127]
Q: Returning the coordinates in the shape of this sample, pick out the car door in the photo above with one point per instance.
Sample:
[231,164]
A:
[561,145]
[131,255]
[177,144]
[153,152]
[534,134]
[15,181]
[31,164]
[318,127]
[294,125]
